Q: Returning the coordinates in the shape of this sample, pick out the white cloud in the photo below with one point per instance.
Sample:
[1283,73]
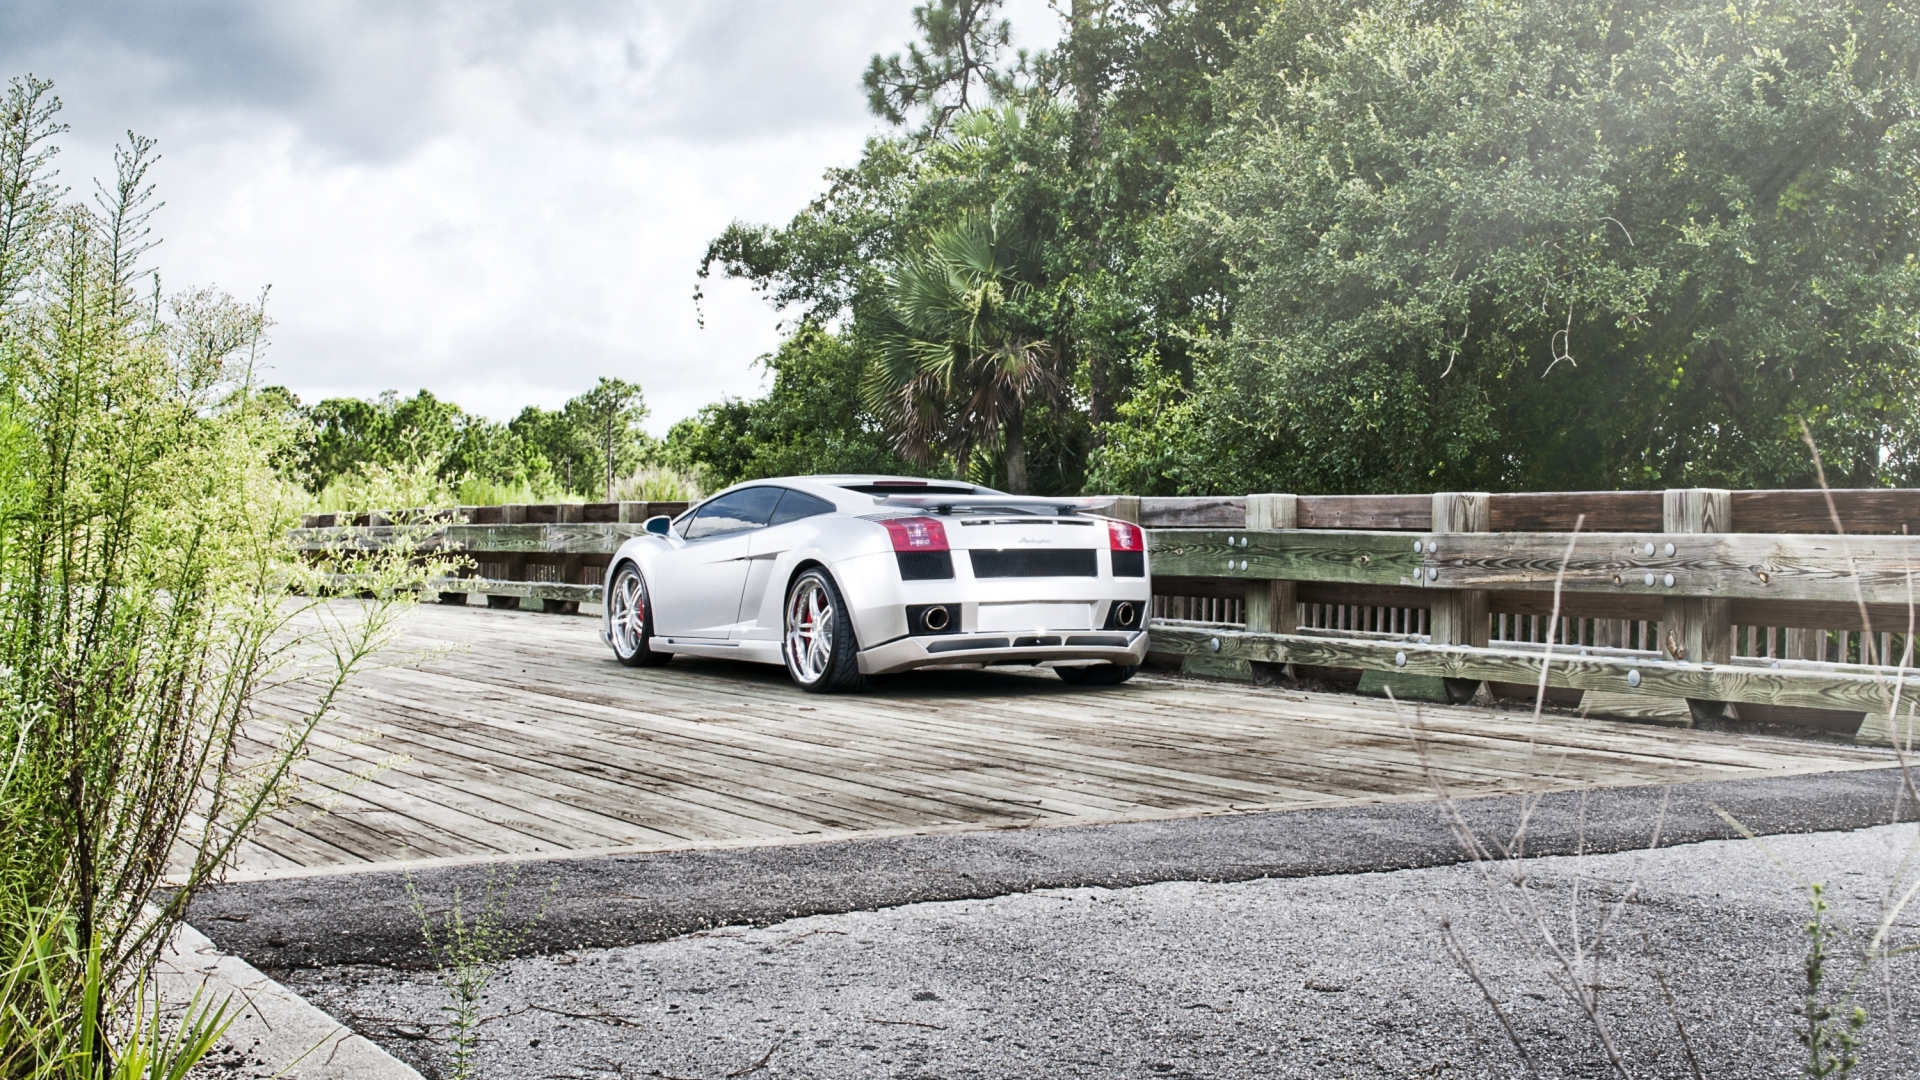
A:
[497,202]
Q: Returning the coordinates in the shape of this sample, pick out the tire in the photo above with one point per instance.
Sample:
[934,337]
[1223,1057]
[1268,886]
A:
[816,636]
[629,622]
[1097,674]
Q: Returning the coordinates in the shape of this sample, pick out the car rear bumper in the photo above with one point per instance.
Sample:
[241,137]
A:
[905,654]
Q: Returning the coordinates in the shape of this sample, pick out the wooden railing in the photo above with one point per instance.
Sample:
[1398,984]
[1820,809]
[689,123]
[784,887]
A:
[1744,605]
[554,554]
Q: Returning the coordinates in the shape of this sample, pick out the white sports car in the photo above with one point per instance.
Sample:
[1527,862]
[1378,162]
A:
[841,577]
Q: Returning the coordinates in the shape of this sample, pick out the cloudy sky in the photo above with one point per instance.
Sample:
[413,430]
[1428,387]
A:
[497,201]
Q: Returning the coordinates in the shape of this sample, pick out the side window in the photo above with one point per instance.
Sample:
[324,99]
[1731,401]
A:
[748,508]
[795,505]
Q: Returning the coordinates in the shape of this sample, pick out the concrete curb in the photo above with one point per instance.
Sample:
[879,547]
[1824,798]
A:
[277,1032]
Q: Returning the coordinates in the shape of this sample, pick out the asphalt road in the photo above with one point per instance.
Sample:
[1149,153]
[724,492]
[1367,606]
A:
[1340,975]
[368,918]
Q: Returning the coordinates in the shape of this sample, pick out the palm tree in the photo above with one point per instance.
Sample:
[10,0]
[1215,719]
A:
[957,366]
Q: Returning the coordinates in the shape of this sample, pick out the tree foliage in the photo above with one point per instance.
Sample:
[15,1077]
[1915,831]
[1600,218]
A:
[1534,245]
[578,450]
[960,358]
[809,421]
[1503,244]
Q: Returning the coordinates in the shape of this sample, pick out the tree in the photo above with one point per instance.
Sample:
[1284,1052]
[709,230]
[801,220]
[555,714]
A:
[963,44]
[812,420]
[1538,245]
[608,420]
[960,360]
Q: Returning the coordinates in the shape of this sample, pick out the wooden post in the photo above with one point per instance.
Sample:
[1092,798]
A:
[1126,508]
[633,513]
[1696,629]
[1460,616]
[1273,607]
[512,565]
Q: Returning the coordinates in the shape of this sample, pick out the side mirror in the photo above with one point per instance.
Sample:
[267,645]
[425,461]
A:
[660,525]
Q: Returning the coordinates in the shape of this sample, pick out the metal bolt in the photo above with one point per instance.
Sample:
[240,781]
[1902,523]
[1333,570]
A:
[1243,564]
[1649,549]
[1669,581]
[1669,551]
[1649,579]
[1213,644]
[1416,547]
[1433,546]
[1399,659]
[1633,678]
[1432,572]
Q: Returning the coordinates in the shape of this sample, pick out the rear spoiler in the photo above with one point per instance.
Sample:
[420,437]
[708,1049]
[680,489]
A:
[1026,504]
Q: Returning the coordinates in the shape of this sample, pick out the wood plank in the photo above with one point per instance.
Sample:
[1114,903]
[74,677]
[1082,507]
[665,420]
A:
[1221,511]
[1861,510]
[1366,512]
[1558,511]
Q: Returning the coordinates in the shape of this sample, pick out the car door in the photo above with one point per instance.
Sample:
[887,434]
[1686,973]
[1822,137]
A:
[696,588]
[760,601]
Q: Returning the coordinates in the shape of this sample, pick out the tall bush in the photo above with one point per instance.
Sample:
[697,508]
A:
[146,599]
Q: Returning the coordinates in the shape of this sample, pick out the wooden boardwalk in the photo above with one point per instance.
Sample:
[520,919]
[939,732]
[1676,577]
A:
[523,737]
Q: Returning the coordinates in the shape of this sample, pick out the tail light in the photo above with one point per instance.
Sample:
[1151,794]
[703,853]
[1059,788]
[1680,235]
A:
[920,547]
[1123,536]
[916,534]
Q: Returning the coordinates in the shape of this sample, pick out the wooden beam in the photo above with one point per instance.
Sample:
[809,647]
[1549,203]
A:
[1719,565]
[1557,511]
[1861,510]
[1661,678]
[538,590]
[1366,512]
[1228,512]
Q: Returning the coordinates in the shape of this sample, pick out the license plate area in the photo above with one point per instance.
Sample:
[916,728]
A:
[1002,618]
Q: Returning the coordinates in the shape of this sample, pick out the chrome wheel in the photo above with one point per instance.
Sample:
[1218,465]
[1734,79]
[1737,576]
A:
[626,615]
[629,628]
[809,635]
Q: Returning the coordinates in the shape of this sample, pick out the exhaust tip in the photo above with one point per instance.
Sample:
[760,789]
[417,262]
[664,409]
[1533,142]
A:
[935,619]
[1123,613]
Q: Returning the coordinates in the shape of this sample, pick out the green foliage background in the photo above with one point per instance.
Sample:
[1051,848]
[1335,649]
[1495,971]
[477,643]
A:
[1332,247]
[1328,246]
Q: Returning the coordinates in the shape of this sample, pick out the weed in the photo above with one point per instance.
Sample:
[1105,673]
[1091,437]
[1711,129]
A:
[469,948]
[1832,1034]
